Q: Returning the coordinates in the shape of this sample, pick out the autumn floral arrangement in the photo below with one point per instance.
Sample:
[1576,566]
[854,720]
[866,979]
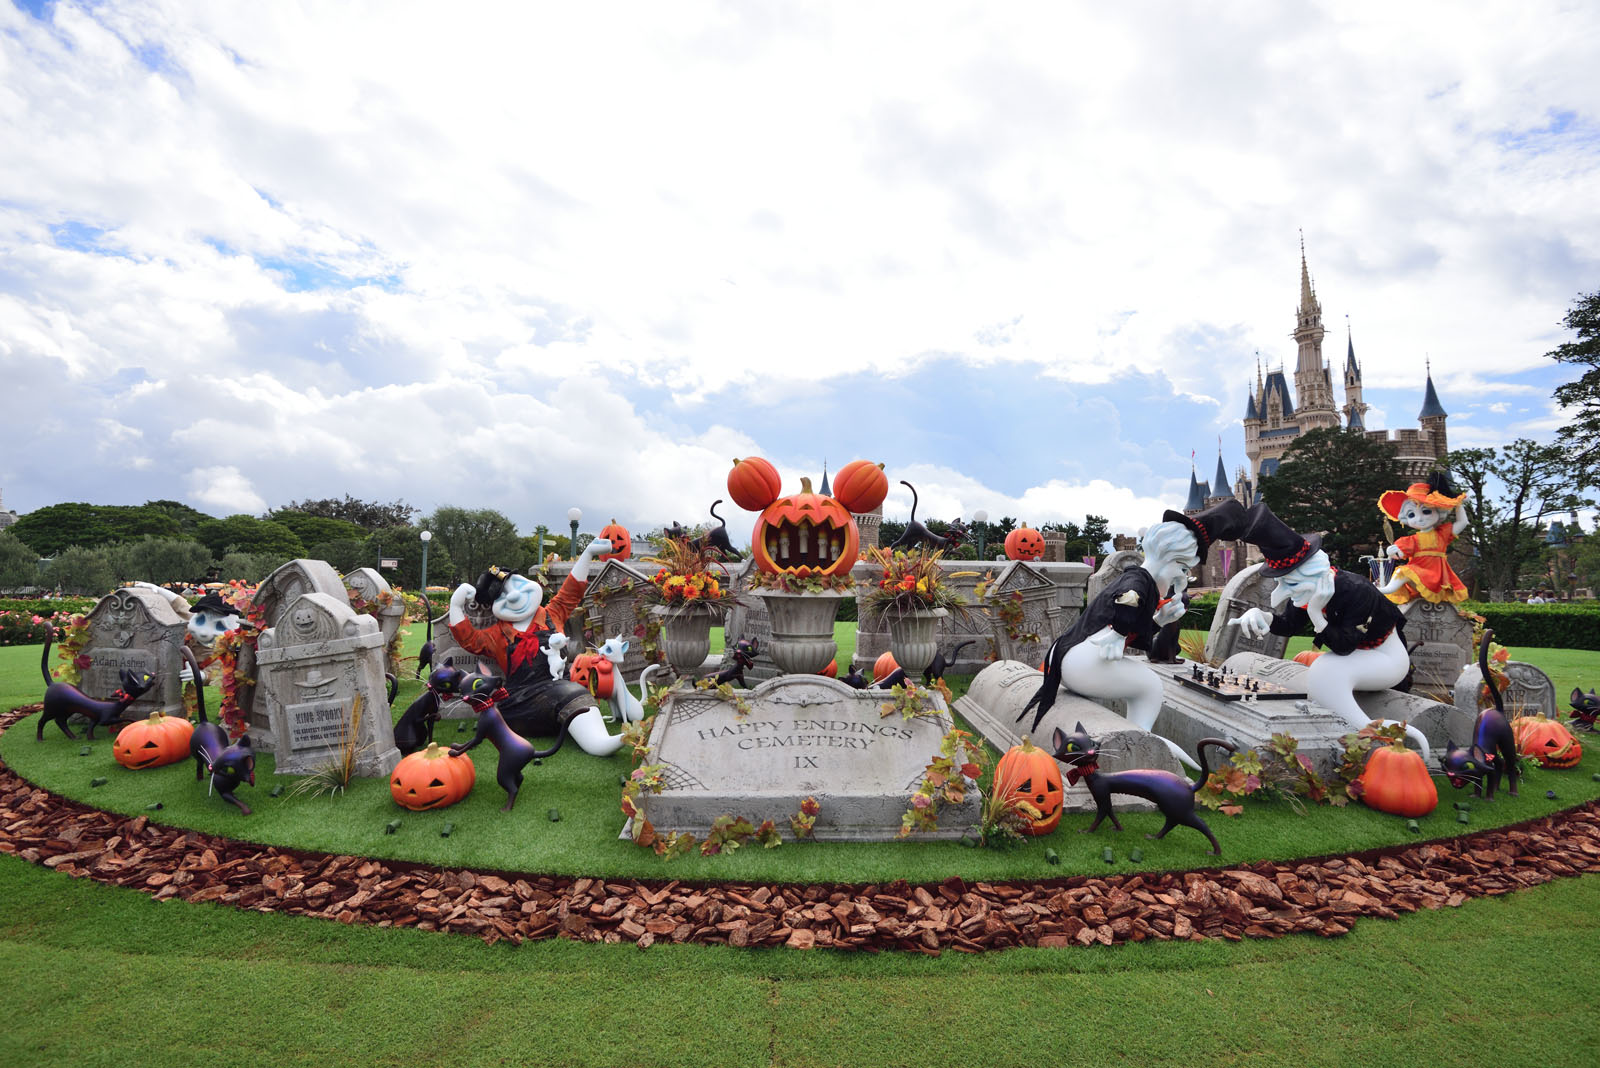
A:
[689,576]
[230,650]
[788,582]
[911,582]
[72,638]
[948,777]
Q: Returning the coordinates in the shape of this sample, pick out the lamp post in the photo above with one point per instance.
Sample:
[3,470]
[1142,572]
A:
[426,536]
[574,516]
[981,518]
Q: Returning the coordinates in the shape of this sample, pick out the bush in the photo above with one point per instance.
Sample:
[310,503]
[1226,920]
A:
[1548,626]
[1201,611]
[846,612]
[23,628]
[64,606]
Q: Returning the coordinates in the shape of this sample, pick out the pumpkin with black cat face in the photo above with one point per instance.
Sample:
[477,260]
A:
[431,778]
[1030,774]
[1025,543]
[805,534]
[1547,741]
[152,742]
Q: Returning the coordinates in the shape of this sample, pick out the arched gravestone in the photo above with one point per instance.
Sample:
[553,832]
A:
[610,607]
[1250,588]
[272,598]
[136,629]
[1020,587]
[1109,569]
[1528,693]
[1440,643]
[367,584]
[314,664]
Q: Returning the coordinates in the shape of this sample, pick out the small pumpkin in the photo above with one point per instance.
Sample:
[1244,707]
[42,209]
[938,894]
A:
[754,483]
[1396,781]
[805,534]
[431,778]
[595,672]
[1546,740]
[154,741]
[884,666]
[832,670]
[861,486]
[1306,656]
[1028,773]
[1024,543]
[621,541]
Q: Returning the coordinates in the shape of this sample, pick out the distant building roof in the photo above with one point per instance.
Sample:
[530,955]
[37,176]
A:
[1276,383]
[1430,402]
[1219,485]
[1356,422]
[1197,494]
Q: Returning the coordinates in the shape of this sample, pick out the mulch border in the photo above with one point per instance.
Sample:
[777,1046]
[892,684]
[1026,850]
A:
[1324,896]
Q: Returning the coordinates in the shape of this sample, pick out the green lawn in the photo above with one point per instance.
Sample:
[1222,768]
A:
[1503,978]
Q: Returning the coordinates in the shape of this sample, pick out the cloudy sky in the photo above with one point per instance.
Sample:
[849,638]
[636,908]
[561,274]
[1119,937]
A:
[536,255]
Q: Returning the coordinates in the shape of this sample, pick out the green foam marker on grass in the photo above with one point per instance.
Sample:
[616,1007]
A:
[392,826]
[444,832]
[1463,817]
[555,815]
[1137,855]
[1108,855]
[154,806]
[1052,857]
[277,791]
[98,782]
[1411,825]
[85,751]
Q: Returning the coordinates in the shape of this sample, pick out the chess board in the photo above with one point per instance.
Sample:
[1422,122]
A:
[1227,686]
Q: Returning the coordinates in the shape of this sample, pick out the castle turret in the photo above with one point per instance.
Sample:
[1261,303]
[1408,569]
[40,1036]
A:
[1432,418]
[1312,381]
[1355,409]
[1219,485]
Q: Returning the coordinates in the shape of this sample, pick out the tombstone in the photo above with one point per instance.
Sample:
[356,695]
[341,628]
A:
[272,598]
[389,608]
[1072,587]
[447,652]
[1248,589]
[137,629]
[1528,693]
[1440,640]
[610,606]
[804,736]
[1109,569]
[999,692]
[1022,586]
[313,665]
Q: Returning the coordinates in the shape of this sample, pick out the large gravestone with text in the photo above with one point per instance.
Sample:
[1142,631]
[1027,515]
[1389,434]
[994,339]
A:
[136,629]
[314,665]
[804,736]
[1250,588]
[271,600]
[1440,641]
[1528,692]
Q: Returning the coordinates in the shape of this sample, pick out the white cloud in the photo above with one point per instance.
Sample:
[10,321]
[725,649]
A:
[224,488]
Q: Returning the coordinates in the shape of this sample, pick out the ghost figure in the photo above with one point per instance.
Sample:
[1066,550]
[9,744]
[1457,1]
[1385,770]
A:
[1438,515]
[1362,630]
[211,618]
[1089,659]
[537,705]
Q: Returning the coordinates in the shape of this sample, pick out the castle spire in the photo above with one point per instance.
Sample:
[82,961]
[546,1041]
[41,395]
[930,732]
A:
[1431,407]
[1308,299]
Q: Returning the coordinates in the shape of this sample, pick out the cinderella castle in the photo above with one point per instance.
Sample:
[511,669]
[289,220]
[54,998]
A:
[1272,420]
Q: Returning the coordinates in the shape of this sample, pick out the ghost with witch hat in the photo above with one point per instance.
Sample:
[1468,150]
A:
[1349,617]
[1435,511]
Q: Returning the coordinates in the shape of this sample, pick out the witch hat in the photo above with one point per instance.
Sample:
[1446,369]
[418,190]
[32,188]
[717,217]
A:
[1437,492]
[212,604]
[1282,549]
[1220,522]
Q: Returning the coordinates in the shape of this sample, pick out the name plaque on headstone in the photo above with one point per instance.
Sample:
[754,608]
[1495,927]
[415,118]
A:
[804,736]
[316,724]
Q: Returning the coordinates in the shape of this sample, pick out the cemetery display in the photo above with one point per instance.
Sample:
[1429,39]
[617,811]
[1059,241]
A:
[535,704]
[1172,794]
[150,743]
[1438,515]
[62,699]
[431,778]
[1493,749]
[692,589]
[1362,628]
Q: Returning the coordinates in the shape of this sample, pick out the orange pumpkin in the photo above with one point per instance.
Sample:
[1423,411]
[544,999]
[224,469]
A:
[754,483]
[152,742]
[431,778]
[1306,656]
[804,535]
[1546,740]
[1024,543]
[595,672]
[621,541]
[861,486]
[1396,781]
[1028,773]
[884,666]
[832,670]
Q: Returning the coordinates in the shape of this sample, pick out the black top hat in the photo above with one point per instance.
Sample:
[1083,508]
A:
[215,605]
[1222,522]
[1282,549]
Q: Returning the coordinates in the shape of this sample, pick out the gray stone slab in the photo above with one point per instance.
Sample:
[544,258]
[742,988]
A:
[804,736]
[1112,566]
[1250,588]
[1440,642]
[137,629]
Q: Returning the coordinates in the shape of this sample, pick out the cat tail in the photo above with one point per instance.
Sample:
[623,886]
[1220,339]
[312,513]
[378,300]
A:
[1483,668]
[199,687]
[1205,771]
[44,657]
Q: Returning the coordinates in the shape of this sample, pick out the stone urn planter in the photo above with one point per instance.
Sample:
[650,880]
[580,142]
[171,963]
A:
[685,635]
[914,637]
[802,630]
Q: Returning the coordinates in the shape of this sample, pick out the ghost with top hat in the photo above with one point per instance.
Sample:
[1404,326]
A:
[1438,515]
[1349,618]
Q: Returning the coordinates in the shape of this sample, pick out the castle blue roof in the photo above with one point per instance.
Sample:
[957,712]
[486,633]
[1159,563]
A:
[1356,422]
[1276,382]
[1430,402]
[1219,485]
[1197,494]
[1269,467]
[1250,411]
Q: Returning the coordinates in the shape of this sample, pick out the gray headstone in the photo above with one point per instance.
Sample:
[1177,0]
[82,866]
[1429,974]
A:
[1248,589]
[805,736]
[1072,585]
[273,597]
[313,665]
[998,694]
[137,629]
[1109,569]
[1440,641]
[611,604]
[1528,693]
[1025,586]
[367,584]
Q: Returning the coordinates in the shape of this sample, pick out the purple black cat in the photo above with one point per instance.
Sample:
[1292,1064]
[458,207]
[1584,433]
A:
[1493,751]
[62,699]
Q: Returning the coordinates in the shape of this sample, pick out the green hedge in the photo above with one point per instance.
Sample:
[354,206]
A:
[63,605]
[1544,626]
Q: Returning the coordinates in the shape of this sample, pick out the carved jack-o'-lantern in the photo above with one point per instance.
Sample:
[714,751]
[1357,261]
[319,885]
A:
[431,778]
[805,534]
[152,742]
[621,541]
[595,672]
[1024,543]
[1028,773]
[1547,741]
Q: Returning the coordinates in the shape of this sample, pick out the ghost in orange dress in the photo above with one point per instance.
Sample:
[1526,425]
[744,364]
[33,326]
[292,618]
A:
[1437,514]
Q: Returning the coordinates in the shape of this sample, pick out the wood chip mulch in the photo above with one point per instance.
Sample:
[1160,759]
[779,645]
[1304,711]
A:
[1261,900]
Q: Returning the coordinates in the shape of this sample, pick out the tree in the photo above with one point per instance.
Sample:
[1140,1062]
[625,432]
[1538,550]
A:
[19,564]
[369,515]
[1328,483]
[345,554]
[54,527]
[187,518]
[1509,492]
[474,539]
[160,560]
[247,534]
[404,544]
[1582,435]
[313,529]
[249,567]
[81,571]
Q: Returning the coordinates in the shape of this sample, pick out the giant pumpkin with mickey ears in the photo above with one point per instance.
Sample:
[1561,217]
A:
[805,534]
